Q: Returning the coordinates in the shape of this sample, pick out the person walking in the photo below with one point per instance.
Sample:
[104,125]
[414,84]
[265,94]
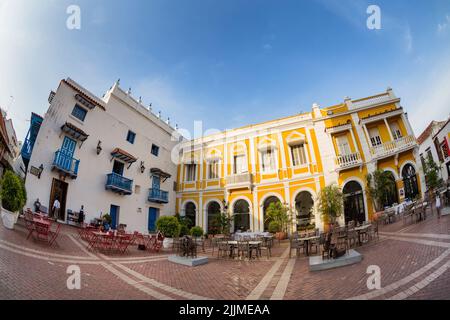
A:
[56,207]
[438,204]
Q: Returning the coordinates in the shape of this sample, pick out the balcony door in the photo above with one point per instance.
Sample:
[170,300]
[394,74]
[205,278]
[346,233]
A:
[375,138]
[156,183]
[67,152]
[343,145]
[118,167]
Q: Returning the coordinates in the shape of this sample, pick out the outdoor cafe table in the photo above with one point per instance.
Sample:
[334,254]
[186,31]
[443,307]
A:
[251,235]
[360,230]
[307,239]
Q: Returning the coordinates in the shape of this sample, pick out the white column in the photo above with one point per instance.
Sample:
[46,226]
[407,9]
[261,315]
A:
[252,155]
[225,156]
[282,150]
[407,125]
[200,211]
[354,140]
[388,129]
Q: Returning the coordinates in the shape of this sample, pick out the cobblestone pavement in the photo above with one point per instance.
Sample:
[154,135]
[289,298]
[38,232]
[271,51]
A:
[414,261]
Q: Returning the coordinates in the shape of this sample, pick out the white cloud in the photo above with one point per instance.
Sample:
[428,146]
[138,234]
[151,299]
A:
[428,98]
[444,26]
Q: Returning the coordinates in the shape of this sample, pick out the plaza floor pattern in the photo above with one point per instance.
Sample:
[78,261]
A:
[413,260]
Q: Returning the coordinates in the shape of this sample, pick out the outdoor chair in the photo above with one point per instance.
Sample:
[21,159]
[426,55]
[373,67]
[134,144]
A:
[45,233]
[352,238]
[29,224]
[222,249]
[296,244]
[243,249]
[200,242]
[124,242]
[266,245]
[316,244]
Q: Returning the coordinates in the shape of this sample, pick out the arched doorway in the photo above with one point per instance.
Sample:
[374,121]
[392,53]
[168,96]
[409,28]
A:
[267,202]
[241,211]
[304,205]
[392,195]
[213,210]
[190,212]
[410,182]
[354,202]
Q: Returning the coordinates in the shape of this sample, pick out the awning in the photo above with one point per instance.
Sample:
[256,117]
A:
[74,132]
[123,155]
[158,172]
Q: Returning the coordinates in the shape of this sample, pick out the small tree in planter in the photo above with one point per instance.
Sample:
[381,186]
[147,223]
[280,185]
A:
[222,222]
[274,227]
[379,187]
[432,178]
[185,223]
[196,232]
[330,203]
[170,228]
[276,212]
[13,196]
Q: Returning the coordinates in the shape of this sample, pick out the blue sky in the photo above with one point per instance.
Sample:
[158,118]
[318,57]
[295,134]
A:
[228,63]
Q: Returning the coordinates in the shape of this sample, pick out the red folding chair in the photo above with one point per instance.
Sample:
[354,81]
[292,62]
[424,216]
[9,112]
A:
[45,233]
[124,242]
[29,224]
[157,244]
[53,234]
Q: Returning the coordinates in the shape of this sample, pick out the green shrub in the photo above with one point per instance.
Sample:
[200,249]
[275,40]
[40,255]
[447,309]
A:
[13,193]
[184,230]
[196,231]
[274,227]
[169,226]
[108,218]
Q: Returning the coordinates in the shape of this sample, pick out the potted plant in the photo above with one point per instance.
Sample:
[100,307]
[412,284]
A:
[432,178]
[196,232]
[275,227]
[184,223]
[222,223]
[276,212]
[13,197]
[170,228]
[380,186]
[330,204]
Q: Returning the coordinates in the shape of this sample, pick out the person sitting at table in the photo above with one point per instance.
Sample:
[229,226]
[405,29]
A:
[37,206]
[81,215]
[105,225]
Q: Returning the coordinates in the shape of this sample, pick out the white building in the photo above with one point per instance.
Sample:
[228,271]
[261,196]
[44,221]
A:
[432,143]
[109,155]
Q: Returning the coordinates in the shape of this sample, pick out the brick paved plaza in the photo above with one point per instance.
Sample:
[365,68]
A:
[414,262]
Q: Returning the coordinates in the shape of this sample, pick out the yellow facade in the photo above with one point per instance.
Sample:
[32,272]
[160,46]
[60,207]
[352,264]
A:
[291,159]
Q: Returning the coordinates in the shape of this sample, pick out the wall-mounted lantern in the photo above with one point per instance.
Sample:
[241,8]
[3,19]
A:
[41,168]
[99,147]
[142,167]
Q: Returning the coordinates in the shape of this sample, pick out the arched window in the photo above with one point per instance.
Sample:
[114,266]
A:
[213,211]
[241,211]
[304,205]
[190,211]
[353,202]
[410,181]
[267,202]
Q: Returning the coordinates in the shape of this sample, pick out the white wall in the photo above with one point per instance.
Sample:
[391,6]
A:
[110,127]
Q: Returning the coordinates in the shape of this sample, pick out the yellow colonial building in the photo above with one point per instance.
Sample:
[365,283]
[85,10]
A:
[291,159]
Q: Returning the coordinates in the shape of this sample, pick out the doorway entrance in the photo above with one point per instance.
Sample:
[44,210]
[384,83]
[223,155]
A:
[354,202]
[114,213]
[153,215]
[58,191]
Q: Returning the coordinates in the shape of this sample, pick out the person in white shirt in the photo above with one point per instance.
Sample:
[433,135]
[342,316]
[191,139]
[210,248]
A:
[56,207]
[438,204]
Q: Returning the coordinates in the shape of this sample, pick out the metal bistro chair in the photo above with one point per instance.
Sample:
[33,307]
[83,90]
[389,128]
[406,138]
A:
[297,244]
[222,249]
